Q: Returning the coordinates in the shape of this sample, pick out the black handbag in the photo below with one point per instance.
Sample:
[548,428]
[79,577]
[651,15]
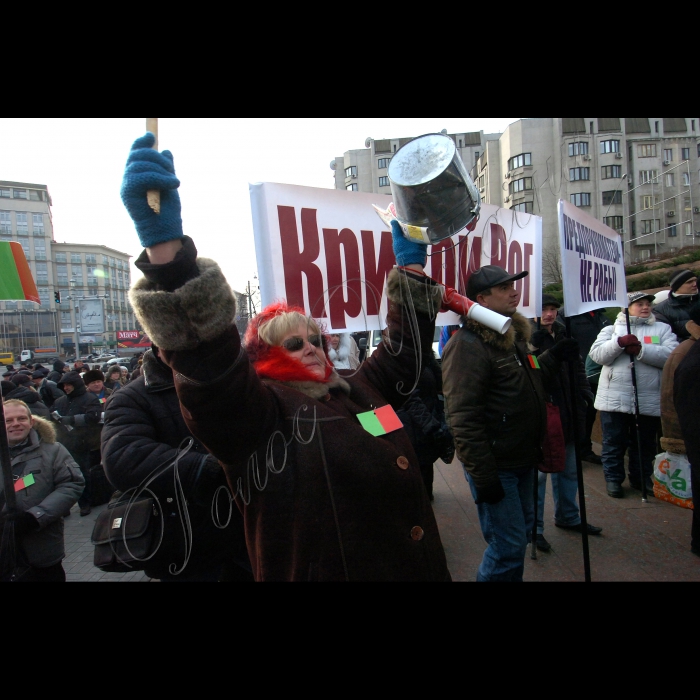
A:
[127,534]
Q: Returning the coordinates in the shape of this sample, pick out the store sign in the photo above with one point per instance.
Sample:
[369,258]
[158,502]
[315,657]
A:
[92,319]
[133,339]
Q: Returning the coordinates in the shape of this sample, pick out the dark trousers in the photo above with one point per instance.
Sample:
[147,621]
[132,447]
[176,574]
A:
[620,435]
[48,574]
[82,459]
[586,444]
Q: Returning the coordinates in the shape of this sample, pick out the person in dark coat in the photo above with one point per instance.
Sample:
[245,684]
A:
[58,371]
[682,299]
[24,391]
[686,389]
[113,378]
[143,430]
[322,497]
[564,484]
[585,328]
[47,389]
[78,416]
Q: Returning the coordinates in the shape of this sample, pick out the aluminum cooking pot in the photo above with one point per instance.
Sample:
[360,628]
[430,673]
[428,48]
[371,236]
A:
[433,194]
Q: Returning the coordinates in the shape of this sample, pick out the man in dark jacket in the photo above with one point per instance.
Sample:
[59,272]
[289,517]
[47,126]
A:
[584,330]
[58,371]
[686,389]
[47,485]
[24,391]
[48,390]
[682,299]
[496,400]
[143,429]
[564,484]
[78,415]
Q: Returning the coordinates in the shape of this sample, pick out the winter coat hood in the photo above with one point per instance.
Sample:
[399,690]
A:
[76,380]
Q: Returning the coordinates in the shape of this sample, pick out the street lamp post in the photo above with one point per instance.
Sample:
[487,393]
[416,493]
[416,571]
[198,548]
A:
[75,316]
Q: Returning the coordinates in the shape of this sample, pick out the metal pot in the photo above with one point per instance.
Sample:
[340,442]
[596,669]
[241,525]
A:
[432,190]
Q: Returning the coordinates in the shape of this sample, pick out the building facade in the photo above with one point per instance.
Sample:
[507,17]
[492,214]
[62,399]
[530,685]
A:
[74,270]
[639,175]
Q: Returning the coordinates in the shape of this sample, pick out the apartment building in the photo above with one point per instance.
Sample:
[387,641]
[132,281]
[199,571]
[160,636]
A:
[639,175]
[74,270]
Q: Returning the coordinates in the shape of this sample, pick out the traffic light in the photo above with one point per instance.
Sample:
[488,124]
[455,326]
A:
[57,297]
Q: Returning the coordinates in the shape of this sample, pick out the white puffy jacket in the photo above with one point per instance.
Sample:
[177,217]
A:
[615,390]
[348,354]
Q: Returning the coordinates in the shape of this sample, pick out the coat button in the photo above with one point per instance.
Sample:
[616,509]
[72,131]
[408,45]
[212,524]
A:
[417,533]
[402,463]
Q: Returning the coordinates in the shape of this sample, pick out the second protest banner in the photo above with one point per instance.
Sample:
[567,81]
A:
[329,253]
[592,262]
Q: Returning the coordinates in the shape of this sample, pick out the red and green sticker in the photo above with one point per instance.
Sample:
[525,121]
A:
[533,362]
[24,482]
[649,339]
[380,421]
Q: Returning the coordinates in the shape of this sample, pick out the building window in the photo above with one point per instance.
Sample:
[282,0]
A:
[75,258]
[5,192]
[578,148]
[647,176]
[673,230]
[650,225]
[112,261]
[351,171]
[35,196]
[520,161]
[520,185]
[352,187]
[44,295]
[42,273]
[383,162]
[25,248]
[686,179]
[646,150]
[581,199]
[60,257]
[668,154]
[615,222]
[686,152]
[22,226]
[526,207]
[19,194]
[5,222]
[38,224]
[39,250]
[649,202]
[384,181]
[90,258]
[688,228]
[608,172]
[610,146]
[477,154]
[612,197]
[579,174]
[670,179]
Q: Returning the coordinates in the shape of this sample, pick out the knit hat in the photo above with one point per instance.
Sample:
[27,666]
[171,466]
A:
[549,300]
[93,375]
[679,278]
[72,378]
[21,379]
[7,387]
[58,365]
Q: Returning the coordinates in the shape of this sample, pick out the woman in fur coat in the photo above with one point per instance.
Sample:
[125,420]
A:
[323,499]
[343,351]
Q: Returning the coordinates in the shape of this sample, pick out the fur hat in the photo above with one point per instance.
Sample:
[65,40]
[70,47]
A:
[93,375]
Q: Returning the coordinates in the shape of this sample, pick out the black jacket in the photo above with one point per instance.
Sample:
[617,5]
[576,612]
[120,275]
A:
[686,388]
[676,312]
[585,328]
[31,398]
[495,399]
[49,392]
[143,429]
[86,410]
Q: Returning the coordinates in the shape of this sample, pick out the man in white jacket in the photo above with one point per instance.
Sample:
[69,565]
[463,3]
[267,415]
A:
[648,345]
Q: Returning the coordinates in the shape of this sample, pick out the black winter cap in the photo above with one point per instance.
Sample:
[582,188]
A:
[678,279]
[490,276]
[549,300]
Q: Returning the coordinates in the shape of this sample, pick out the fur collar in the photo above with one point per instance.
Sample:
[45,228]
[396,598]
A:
[520,330]
[344,347]
[634,320]
[44,429]
[315,389]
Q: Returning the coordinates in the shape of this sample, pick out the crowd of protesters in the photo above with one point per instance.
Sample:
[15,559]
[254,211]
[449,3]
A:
[256,447]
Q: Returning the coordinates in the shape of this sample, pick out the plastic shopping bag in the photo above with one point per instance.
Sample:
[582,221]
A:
[672,479]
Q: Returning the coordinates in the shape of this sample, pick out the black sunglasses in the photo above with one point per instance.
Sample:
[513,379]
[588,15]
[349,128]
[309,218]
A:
[296,343]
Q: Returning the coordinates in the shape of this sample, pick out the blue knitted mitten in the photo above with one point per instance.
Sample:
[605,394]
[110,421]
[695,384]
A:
[147,169]
[407,252]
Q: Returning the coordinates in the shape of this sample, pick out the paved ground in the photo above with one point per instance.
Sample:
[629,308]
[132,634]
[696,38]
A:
[640,541]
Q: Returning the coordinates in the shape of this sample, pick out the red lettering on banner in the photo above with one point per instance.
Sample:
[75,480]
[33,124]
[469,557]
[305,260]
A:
[471,253]
[529,249]
[376,270]
[297,263]
[515,264]
[499,246]
[338,303]
[442,257]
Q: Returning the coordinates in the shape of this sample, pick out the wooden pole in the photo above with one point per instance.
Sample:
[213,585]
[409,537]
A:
[153,196]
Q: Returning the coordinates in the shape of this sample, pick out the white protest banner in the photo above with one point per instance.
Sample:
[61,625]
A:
[592,262]
[329,253]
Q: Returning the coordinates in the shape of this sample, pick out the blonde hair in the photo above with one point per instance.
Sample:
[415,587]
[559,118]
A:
[17,402]
[283,324]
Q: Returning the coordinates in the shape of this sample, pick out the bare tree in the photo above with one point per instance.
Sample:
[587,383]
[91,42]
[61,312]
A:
[551,263]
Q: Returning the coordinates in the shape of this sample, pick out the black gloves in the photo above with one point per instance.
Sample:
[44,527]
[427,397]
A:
[541,339]
[24,522]
[565,350]
[490,494]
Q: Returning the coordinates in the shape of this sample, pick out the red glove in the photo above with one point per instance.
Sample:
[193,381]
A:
[633,349]
[627,340]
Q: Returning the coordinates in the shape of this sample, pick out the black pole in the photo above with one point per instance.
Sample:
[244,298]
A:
[535,496]
[579,468]
[8,551]
[633,369]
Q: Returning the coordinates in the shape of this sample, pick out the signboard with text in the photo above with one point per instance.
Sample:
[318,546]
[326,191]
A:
[91,316]
[133,339]
[328,252]
[592,262]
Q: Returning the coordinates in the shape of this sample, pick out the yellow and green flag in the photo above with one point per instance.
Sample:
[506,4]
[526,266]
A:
[16,281]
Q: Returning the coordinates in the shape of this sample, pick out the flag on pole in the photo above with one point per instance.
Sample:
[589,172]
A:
[16,281]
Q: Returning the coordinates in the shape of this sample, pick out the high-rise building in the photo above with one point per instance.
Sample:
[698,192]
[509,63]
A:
[74,270]
[639,175]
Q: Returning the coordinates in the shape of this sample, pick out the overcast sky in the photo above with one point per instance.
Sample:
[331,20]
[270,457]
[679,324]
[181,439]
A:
[82,161]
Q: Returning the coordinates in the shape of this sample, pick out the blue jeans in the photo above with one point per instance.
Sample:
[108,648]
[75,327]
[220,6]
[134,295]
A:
[507,526]
[619,435]
[564,489]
